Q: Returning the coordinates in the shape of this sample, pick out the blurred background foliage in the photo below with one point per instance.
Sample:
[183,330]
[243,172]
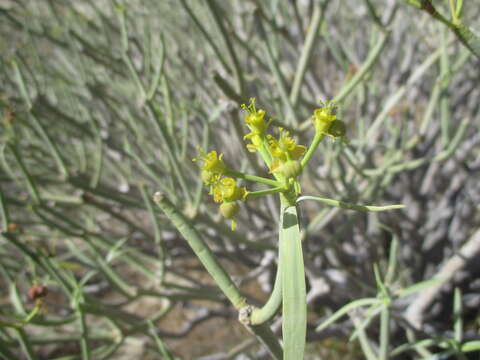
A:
[105,102]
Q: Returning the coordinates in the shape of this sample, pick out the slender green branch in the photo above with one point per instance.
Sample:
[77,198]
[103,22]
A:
[275,69]
[210,40]
[311,149]
[384,334]
[215,269]
[313,31]
[201,249]
[32,188]
[372,58]
[453,11]
[267,311]
[373,14]
[218,18]
[25,344]
[5,219]
[255,178]
[463,33]
[350,206]
[259,193]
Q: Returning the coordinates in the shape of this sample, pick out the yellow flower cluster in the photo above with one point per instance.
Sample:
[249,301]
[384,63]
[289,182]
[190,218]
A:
[326,122]
[223,189]
[284,157]
[285,153]
[213,166]
[324,117]
[256,124]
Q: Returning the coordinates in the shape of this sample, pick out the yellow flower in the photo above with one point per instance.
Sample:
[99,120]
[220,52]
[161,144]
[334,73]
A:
[226,189]
[285,152]
[255,121]
[289,169]
[212,165]
[285,148]
[323,117]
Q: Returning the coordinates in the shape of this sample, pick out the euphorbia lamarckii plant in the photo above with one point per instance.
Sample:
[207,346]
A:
[285,160]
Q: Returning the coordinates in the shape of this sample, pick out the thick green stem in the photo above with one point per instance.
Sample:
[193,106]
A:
[294,307]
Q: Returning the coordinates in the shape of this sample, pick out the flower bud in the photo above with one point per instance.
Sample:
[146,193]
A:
[229,209]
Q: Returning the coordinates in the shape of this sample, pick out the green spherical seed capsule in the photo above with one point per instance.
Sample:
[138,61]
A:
[337,128]
[229,209]
[291,169]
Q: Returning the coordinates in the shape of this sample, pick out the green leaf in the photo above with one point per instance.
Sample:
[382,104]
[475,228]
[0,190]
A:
[369,314]
[420,286]
[471,346]
[457,315]
[346,309]
[294,293]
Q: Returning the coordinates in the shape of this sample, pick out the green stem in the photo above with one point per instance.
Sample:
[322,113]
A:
[218,18]
[384,334]
[157,233]
[458,10]
[265,192]
[463,33]
[201,249]
[3,213]
[215,269]
[207,36]
[350,206]
[294,307]
[32,188]
[84,343]
[255,178]
[453,11]
[267,311]
[311,149]
[25,344]
[359,75]
[275,69]
[313,31]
